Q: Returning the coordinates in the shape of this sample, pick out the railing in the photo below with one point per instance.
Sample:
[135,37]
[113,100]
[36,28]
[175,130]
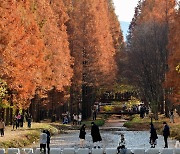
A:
[120,112]
[90,151]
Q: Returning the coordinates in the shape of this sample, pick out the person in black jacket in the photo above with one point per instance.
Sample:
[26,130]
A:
[48,140]
[166,133]
[153,136]
[82,135]
[95,134]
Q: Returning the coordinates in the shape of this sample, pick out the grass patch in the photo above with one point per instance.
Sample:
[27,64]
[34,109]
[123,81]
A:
[27,136]
[99,122]
[22,141]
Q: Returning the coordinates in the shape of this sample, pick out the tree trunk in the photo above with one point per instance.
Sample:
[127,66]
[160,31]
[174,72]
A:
[154,107]
[88,98]
[7,116]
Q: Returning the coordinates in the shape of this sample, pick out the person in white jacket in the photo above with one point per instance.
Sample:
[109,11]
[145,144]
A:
[43,141]
[79,118]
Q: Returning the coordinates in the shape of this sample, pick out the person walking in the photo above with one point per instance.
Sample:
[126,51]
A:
[22,120]
[14,123]
[94,114]
[48,140]
[96,137]
[166,133]
[43,141]
[75,117]
[2,127]
[171,116]
[82,135]
[18,120]
[153,136]
[79,118]
[29,119]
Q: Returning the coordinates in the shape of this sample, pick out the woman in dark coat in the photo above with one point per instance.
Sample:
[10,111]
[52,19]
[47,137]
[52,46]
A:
[153,136]
[95,134]
[166,133]
[82,135]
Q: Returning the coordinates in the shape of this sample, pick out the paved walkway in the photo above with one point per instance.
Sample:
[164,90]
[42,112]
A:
[114,123]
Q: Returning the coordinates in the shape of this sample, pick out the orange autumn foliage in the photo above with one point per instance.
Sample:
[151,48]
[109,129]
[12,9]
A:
[33,41]
[115,29]
[37,54]
[173,74]
[91,36]
[156,10]
[21,54]
[51,19]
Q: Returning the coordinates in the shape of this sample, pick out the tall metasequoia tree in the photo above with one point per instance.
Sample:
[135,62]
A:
[153,17]
[52,16]
[34,48]
[173,74]
[133,23]
[117,38]
[22,59]
[145,62]
[91,45]
[161,12]
[75,35]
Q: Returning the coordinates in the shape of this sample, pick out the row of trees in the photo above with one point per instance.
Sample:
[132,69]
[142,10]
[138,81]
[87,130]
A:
[153,53]
[55,52]
[95,38]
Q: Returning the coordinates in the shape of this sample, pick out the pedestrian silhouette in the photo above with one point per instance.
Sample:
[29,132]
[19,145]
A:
[82,135]
[48,140]
[166,134]
[96,137]
[2,127]
[153,136]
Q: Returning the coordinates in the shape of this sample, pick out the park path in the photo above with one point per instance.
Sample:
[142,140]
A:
[9,133]
[114,121]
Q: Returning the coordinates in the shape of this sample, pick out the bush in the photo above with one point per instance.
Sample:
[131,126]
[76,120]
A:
[108,108]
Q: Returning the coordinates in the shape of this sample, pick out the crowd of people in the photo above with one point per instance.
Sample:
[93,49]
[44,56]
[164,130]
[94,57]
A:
[76,118]
[18,120]
[95,132]
[121,148]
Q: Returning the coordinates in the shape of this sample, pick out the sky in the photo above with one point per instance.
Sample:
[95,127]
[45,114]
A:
[125,9]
